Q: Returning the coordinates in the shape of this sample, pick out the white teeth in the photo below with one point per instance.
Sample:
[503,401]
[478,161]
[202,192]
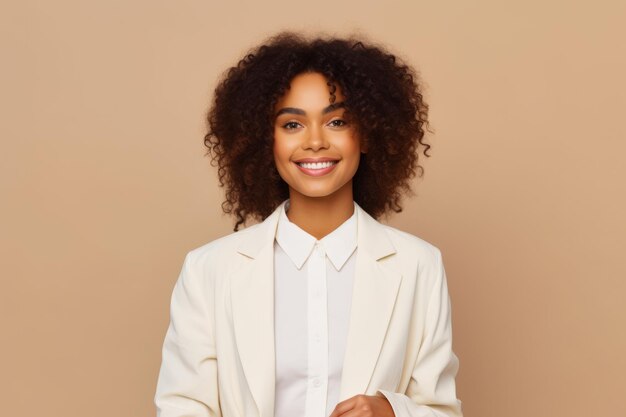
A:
[317,165]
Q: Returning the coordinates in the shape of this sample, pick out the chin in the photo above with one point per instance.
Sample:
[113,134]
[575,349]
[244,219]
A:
[315,194]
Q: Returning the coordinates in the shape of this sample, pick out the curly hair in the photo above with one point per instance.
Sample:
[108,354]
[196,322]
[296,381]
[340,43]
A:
[382,97]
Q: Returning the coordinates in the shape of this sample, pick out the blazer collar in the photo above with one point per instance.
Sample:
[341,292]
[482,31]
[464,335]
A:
[371,235]
[260,235]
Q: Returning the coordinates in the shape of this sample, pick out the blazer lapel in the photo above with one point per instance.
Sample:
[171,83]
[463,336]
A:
[252,298]
[373,299]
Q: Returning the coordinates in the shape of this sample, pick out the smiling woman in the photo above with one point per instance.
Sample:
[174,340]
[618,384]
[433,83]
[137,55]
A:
[382,102]
[319,310]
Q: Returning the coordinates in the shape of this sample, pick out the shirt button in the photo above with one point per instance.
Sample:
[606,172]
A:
[317,382]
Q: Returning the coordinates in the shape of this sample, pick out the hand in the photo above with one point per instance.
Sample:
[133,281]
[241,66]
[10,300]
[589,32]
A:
[364,406]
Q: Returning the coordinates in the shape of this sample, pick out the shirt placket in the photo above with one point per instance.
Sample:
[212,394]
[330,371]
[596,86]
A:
[317,369]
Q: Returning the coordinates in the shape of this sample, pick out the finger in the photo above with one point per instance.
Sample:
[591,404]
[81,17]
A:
[360,409]
[344,406]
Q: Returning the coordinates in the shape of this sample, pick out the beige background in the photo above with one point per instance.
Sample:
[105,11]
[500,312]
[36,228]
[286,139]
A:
[104,188]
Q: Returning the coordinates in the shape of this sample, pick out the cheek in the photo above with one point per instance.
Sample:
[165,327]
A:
[352,149]
[352,152]
[278,151]
[282,155]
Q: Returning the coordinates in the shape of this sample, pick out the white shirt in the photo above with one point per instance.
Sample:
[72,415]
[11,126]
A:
[313,293]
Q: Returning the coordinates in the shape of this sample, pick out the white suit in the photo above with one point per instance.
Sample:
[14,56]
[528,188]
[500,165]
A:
[218,354]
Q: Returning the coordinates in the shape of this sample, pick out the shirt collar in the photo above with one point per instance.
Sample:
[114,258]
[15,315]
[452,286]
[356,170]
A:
[298,244]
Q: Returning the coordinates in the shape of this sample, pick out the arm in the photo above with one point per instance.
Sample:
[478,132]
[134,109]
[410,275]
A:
[431,390]
[187,384]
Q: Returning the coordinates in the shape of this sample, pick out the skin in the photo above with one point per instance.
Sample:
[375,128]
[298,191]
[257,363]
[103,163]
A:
[309,125]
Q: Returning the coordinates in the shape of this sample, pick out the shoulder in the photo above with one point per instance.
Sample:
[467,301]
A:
[218,250]
[411,245]
[417,258]
[227,252]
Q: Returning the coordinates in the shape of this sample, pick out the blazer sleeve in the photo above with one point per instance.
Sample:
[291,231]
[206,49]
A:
[187,384]
[431,390]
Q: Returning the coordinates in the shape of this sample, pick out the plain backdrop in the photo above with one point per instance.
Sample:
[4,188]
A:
[104,187]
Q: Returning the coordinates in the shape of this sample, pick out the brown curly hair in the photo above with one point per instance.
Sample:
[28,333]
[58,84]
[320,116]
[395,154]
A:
[382,97]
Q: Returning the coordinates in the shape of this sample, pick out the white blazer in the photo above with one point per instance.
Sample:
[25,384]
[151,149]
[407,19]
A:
[218,353]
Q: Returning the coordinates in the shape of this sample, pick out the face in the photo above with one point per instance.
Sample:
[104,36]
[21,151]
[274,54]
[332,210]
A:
[315,148]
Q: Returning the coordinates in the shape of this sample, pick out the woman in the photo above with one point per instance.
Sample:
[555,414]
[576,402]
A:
[319,310]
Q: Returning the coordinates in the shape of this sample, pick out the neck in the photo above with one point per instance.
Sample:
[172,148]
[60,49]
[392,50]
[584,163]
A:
[318,216]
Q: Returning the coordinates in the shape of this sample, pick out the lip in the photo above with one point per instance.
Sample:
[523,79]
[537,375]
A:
[316,172]
[315,160]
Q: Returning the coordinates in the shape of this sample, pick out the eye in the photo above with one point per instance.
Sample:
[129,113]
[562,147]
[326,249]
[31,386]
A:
[291,125]
[337,123]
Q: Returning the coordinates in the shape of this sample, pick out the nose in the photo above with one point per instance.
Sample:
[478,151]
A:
[315,139]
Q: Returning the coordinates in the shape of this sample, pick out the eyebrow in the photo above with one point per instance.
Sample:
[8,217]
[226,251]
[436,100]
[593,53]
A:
[294,110]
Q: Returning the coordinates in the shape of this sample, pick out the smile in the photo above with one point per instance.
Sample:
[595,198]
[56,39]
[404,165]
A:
[316,169]
[316,165]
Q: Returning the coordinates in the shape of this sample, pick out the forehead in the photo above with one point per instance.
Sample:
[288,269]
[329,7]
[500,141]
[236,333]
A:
[310,89]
